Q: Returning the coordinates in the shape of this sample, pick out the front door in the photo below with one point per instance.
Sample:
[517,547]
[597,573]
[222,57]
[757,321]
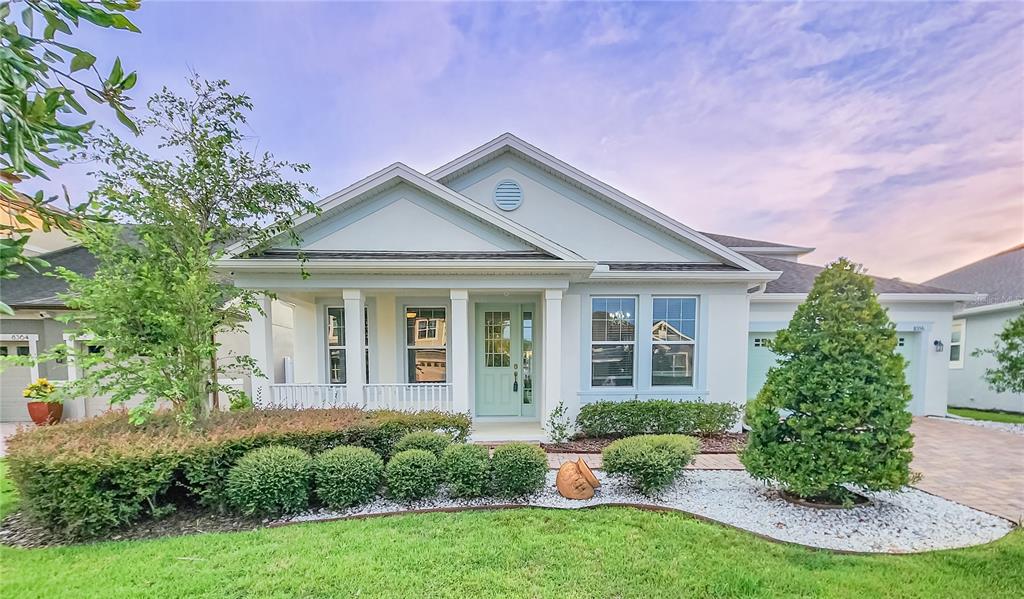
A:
[502,377]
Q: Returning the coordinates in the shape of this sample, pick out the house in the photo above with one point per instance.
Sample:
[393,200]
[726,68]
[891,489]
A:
[507,281]
[35,327]
[975,325]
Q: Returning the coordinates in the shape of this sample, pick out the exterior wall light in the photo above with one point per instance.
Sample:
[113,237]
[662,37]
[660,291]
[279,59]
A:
[938,346]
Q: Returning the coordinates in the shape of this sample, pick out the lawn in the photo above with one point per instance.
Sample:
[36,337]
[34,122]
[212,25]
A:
[604,552]
[990,415]
[8,494]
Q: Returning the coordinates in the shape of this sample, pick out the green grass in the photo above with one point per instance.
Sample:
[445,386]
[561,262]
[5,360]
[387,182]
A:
[605,552]
[990,415]
[8,494]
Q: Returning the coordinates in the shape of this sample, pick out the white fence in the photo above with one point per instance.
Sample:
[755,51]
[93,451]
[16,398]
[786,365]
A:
[409,397]
[297,396]
[389,396]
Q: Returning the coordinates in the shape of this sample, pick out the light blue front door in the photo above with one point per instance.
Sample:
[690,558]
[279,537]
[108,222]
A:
[502,361]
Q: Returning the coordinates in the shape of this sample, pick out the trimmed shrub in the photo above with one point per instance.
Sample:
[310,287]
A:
[347,476]
[430,441]
[467,469]
[518,469]
[270,481]
[655,417]
[833,412]
[412,474]
[84,479]
[651,462]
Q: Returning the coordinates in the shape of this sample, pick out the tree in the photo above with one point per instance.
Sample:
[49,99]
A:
[156,301]
[1008,350]
[833,412]
[39,78]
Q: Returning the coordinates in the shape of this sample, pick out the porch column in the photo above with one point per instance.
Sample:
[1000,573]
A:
[355,375]
[261,348]
[458,331]
[551,350]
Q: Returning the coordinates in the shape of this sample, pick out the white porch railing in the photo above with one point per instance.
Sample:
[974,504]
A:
[406,397]
[298,396]
[409,397]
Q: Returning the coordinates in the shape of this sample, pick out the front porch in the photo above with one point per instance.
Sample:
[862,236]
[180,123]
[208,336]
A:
[492,354]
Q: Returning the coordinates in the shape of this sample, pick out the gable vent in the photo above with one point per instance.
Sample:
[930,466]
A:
[508,195]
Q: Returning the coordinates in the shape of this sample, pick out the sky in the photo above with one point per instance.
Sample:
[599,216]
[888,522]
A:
[891,133]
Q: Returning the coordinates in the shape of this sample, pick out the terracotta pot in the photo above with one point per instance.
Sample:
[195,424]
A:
[44,413]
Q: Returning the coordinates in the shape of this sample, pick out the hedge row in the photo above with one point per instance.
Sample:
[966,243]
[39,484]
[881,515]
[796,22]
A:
[655,417]
[83,479]
[277,480]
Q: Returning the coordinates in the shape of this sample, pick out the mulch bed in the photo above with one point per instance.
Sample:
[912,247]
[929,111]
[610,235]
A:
[721,443]
[18,531]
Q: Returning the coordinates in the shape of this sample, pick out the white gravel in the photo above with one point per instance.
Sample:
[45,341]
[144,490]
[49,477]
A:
[1017,429]
[906,522]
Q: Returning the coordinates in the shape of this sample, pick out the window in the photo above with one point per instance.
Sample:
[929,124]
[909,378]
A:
[760,342]
[613,341]
[23,350]
[956,344]
[901,342]
[336,344]
[3,350]
[527,358]
[674,338]
[426,345]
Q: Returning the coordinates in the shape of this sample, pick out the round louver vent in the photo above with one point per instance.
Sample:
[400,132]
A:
[508,195]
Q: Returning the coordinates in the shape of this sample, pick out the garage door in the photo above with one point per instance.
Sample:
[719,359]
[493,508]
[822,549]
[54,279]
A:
[759,360]
[908,346]
[13,381]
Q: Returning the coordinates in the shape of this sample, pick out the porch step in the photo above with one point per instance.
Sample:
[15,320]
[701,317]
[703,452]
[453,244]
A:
[496,433]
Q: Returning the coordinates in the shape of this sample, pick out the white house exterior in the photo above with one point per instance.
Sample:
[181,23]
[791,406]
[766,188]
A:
[507,281]
[975,326]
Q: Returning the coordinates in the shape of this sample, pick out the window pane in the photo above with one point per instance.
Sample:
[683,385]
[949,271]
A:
[427,366]
[497,339]
[425,327]
[672,364]
[335,326]
[613,319]
[23,350]
[337,366]
[954,353]
[955,338]
[612,365]
[527,358]
[674,319]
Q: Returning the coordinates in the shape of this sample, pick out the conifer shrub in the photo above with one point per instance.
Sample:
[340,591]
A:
[833,411]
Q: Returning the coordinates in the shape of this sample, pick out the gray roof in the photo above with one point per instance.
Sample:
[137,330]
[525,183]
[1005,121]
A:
[741,242]
[799,278]
[1000,276]
[37,289]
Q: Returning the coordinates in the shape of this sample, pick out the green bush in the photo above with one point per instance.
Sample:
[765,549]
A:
[84,479]
[270,481]
[651,462]
[467,469]
[347,476]
[655,417]
[518,469]
[433,442]
[833,412]
[412,474]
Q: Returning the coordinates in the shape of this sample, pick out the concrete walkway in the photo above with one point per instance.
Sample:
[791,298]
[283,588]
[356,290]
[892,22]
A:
[972,465]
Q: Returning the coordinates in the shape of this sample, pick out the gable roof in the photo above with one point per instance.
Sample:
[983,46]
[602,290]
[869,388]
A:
[1000,276]
[401,173]
[37,289]
[799,278]
[508,142]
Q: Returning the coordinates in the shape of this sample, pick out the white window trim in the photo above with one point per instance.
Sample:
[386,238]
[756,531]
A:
[592,343]
[405,347]
[962,325]
[694,344]
[367,341]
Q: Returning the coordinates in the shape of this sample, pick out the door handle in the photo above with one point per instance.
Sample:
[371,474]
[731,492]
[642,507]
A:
[515,381]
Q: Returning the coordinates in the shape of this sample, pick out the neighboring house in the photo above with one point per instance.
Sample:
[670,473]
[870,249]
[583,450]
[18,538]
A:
[975,325]
[34,328]
[507,281]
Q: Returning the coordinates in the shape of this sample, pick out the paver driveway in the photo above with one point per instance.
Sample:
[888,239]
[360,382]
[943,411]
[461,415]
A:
[976,466]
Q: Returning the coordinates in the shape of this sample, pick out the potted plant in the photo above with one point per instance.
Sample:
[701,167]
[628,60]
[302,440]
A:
[43,405]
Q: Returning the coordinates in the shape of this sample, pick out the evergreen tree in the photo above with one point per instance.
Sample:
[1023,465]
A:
[833,411]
